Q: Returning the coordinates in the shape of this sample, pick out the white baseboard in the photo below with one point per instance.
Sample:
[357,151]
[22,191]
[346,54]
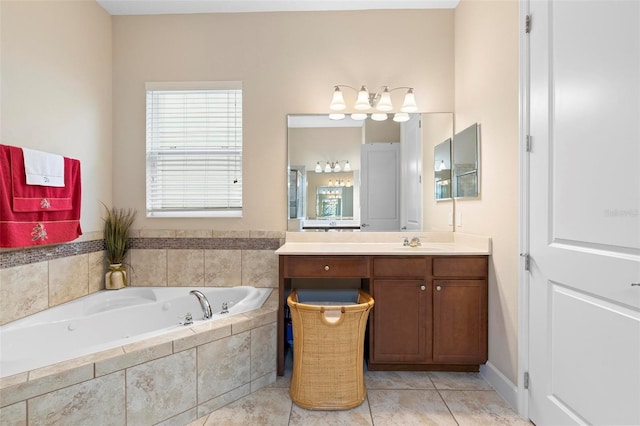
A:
[505,388]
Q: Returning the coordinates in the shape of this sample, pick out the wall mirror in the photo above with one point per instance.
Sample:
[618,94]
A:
[364,175]
[442,170]
[466,164]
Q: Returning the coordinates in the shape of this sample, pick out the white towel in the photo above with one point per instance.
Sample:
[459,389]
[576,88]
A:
[42,168]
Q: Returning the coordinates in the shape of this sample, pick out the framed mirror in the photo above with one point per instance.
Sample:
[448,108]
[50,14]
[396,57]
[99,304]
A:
[442,170]
[466,164]
[376,168]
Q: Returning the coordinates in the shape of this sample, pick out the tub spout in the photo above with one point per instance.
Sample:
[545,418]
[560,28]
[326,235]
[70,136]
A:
[204,303]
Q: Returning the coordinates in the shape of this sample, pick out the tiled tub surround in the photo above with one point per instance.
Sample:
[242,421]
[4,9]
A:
[110,319]
[171,379]
[34,279]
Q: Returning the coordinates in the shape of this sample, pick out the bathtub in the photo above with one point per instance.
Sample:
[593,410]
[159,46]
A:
[109,319]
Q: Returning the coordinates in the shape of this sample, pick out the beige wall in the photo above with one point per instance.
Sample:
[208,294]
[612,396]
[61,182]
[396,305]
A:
[486,91]
[56,89]
[288,63]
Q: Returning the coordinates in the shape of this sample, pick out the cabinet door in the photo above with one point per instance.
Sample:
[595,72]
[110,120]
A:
[401,321]
[460,321]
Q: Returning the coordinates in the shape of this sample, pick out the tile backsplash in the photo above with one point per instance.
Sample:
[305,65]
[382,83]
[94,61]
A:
[36,278]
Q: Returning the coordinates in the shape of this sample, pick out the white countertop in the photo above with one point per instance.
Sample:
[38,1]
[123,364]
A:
[387,243]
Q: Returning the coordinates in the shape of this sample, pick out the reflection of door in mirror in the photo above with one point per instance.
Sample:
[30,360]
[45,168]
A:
[297,182]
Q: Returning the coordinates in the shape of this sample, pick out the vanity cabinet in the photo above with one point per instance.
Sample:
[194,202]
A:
[430,311]
[400,325]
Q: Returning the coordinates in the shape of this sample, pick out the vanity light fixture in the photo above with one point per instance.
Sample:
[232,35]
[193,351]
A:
[379,101]
[333,167]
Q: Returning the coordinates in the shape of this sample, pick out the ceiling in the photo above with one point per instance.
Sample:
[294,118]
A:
[160,7]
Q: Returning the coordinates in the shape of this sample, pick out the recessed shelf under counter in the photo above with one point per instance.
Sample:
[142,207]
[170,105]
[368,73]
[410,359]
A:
[446,276]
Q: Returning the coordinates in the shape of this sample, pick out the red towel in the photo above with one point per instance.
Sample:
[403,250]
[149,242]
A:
[35,215]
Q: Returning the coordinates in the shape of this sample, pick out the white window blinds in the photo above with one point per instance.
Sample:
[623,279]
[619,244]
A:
[194,149]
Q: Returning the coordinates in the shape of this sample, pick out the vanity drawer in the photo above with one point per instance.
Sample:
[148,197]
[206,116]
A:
[327,266]
[460,266]
[400,267]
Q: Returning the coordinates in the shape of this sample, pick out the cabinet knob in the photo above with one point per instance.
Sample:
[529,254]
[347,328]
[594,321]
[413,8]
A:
[438,288]
[423,288]
[326,267]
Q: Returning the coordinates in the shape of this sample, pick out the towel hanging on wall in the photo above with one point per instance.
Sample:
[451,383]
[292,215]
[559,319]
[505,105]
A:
[37,215]
[43,168]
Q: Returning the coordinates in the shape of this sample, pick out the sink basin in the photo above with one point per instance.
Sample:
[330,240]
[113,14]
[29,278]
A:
[424,247]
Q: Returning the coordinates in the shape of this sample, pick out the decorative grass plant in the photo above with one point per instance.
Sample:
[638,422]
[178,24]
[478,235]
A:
[117,224]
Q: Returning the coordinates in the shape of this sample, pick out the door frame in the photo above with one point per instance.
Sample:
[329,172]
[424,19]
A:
[523,213]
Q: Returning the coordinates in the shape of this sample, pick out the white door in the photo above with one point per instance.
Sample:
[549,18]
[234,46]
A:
[380,187]
[584,215]
[411,181]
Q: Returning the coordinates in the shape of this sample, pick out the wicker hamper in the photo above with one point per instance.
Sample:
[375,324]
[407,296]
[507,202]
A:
[328,353]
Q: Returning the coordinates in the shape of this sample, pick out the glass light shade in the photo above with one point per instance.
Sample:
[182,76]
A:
[401,117]
[348,183]
[347,167]
[337,102]
[362,101]
[337,167]
[327,168]
[359,116]
[379,116]
[336,116]
[409,104]
[318,167]
[384,103]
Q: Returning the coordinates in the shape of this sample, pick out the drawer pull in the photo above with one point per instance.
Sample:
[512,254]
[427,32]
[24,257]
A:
[423,288]
[438,288]
[326,267]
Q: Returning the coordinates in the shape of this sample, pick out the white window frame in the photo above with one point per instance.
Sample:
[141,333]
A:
[158,147]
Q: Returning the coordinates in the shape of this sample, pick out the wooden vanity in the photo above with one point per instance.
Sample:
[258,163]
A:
[430,308]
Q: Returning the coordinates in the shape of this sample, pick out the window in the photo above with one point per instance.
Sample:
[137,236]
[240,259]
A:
[194,149]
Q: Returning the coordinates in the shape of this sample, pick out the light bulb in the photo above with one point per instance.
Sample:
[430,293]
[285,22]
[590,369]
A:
[337,102]
[400,117]
[409,104]
[384,103]
[362,101]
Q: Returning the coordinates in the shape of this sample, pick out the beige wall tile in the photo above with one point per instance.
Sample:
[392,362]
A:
[259,268]
[263,381]
[267,234]
[68,278]
[90,402]
[185,268]
[181,419]
[14,415]
[230,234]
[263,350]
[151,388]
[193,233]
[148,267]
[132,357]
[24,291]
[223,365]
[38,384]
[222,268]
[97,269]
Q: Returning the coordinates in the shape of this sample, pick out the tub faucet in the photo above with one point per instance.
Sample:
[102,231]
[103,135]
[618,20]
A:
[204,303]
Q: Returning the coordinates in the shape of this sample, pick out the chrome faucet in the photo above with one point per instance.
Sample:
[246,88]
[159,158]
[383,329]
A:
[204,303]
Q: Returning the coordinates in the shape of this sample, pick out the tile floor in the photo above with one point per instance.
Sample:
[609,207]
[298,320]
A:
[393,398]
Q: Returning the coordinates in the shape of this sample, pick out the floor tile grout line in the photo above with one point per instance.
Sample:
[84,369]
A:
[448,408]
